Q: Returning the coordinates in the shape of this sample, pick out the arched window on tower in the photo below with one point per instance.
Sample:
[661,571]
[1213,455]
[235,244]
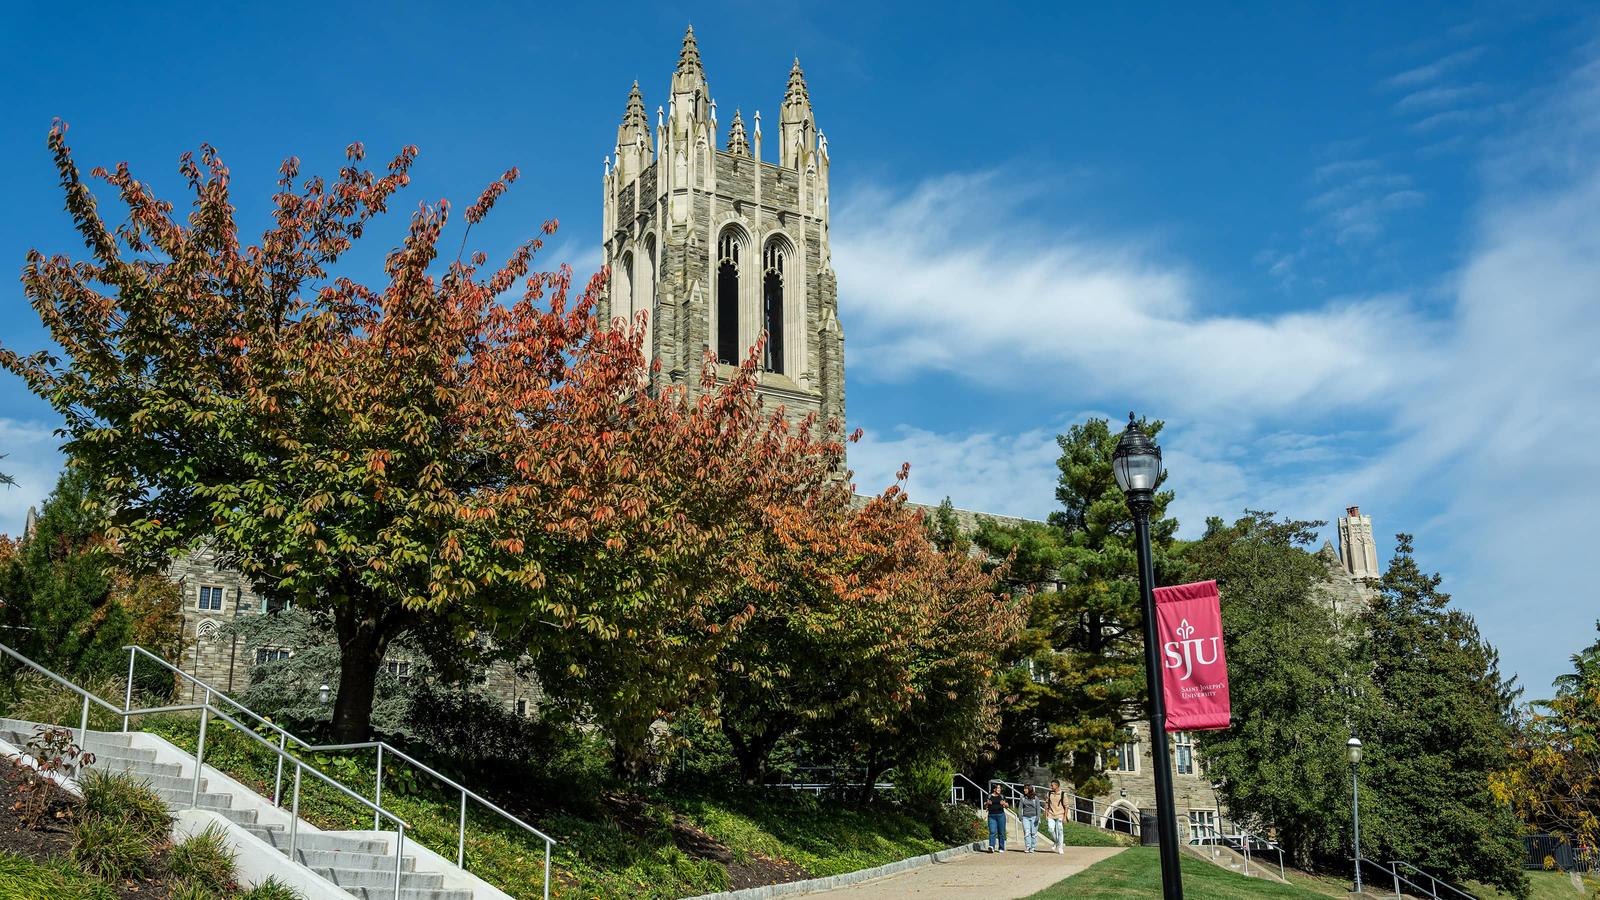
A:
[622,305]
[645,293]
[772,273]
[728,247]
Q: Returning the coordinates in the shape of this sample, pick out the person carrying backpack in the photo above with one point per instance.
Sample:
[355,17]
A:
[1055,812]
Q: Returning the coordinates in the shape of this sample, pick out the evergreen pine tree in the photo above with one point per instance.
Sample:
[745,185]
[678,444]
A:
[1281,765]
[60,609]
[1437,728]
[1078,683]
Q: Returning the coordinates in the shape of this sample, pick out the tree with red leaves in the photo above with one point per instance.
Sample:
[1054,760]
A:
[426,454]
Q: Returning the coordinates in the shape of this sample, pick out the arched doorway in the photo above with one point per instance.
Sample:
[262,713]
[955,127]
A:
[1119,819]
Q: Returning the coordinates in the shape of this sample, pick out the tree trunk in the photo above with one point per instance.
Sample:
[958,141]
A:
[751,752]
[363,638]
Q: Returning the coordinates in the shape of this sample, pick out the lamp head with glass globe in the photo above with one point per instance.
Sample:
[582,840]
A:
[1352,751]
[1136,463]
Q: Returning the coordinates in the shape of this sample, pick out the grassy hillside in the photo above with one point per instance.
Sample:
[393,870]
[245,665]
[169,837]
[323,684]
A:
[644,844]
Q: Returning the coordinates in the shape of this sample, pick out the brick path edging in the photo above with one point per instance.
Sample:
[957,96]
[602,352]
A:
[811,886]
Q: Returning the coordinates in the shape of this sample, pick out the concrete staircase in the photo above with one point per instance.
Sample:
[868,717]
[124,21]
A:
[362,866]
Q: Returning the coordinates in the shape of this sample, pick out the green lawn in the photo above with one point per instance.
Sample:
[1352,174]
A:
[24,879]
[1136,875]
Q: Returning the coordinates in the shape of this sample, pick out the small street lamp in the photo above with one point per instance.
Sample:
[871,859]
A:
[322,695]
[1137,465]
[1352,750]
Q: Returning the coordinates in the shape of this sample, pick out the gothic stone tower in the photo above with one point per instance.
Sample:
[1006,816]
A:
[720,247]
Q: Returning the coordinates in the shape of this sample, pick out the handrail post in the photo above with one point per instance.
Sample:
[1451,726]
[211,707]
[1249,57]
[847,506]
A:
[277,779]
[377,800]
[200,750]
[547,848]
[83,733]
[127,702]
[399,847]
[1394,872]
[461,834]
[294,811]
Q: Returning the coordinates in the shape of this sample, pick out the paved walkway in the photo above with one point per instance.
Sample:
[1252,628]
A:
[991,876]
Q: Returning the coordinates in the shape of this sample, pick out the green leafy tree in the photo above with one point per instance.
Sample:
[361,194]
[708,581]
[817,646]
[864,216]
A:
[1281,764]
[1079,678]
[59,589]
[1554,780]
[1436,724]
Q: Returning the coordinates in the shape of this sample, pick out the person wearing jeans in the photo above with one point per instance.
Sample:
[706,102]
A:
[1028,809]
[997,806]
[1055,812]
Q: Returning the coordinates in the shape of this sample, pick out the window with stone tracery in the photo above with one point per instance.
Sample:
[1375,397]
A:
[772,287]
[727,311]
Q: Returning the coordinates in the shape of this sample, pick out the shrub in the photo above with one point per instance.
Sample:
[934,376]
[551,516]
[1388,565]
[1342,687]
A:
[189,890]
[53,753]
[110,848]
[24,879]
[118,795]
[271,889]
[205,860]
[35,698]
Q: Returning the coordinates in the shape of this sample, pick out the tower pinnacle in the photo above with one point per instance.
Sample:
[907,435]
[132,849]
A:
[738,144]
[797,128]
[689,56]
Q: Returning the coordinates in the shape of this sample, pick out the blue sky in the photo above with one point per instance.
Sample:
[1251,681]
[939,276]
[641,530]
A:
[1351,253]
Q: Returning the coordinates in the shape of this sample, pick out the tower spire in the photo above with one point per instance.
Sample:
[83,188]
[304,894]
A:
[633,137]
[797,128]
[738,144]
[691,96]
[689,56]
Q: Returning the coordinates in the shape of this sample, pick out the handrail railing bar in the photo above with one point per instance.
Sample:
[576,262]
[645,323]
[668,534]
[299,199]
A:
[320,748]
[1434,880]
[390,749]
[282,752]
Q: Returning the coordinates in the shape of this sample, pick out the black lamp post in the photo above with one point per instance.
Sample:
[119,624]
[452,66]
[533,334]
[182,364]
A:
[1352,749]
[1137,465]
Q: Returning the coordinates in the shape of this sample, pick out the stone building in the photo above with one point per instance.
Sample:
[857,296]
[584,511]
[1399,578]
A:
[719,246]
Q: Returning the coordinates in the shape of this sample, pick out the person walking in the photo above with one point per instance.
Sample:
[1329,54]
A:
[997,807]
[1055,812]
[1028,809]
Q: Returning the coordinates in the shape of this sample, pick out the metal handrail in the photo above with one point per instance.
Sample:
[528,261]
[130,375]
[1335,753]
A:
[1395,865]
[206,710]
[383,747]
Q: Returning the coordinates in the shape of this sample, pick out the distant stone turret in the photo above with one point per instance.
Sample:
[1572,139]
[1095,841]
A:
[797,128]
[1357,550]
[738,144]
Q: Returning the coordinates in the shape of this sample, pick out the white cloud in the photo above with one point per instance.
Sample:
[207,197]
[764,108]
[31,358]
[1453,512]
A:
[1477,431]
[1434,70]
[33,461]
[1433,98]
[1012,475]
[954,278]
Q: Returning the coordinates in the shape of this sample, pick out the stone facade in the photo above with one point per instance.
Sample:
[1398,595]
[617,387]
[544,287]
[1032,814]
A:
[715,248]
[1357,549]
[214,594]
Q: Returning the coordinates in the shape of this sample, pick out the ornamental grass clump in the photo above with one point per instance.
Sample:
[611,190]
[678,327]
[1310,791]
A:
[204,860]
[118,795]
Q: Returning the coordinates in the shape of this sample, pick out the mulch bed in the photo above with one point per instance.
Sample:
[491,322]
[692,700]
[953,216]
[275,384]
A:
[54,839]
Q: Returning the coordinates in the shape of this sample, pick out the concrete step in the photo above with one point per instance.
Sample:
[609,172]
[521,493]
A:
[278,837]
[379,878]
[341,859]
[186,797]
[139,766]
[158,782]
[387,893]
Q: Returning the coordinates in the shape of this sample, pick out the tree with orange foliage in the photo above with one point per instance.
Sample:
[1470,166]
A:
[877,645]
[422,454]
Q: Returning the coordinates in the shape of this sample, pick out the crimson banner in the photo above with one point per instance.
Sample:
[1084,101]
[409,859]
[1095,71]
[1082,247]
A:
[1194,680]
